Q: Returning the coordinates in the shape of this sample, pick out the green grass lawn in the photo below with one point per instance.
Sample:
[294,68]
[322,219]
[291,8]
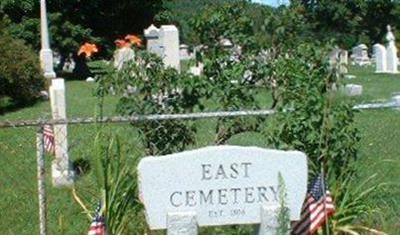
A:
[380,139]
[379,153]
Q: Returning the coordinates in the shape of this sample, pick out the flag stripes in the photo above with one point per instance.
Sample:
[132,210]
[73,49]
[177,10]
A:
[317,208]
[48,139]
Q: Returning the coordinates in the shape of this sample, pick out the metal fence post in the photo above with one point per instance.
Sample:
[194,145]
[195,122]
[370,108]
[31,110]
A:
[41,181]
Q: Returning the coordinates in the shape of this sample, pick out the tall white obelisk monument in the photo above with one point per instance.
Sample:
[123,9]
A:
[46,55]
[62,173]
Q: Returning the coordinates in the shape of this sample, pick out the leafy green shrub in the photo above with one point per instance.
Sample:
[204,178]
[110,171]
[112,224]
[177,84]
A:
[231,73]
[146,87]
[20,76]
[312,118]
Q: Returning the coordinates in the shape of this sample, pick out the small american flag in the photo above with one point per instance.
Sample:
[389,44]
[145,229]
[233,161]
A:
[48,138]
[98,225]
[317,207]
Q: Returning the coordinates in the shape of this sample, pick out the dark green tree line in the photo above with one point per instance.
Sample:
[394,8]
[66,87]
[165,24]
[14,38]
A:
[73,22]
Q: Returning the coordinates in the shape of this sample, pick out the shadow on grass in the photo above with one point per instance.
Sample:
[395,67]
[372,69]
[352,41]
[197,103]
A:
[8,106]
[81,167]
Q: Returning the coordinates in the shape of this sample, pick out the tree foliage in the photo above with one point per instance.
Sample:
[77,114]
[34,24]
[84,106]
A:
[73,22]
[313,118]
[180,12]
[20,79]
[158,90]
[350,22]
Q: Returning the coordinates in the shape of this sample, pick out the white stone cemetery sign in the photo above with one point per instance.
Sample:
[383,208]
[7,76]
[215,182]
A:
[221,185]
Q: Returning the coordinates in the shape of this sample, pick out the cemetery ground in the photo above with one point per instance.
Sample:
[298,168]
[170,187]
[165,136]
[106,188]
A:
[379,154]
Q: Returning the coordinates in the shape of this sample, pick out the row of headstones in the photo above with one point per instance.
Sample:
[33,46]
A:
[340,58]
[164,42]
[385,58]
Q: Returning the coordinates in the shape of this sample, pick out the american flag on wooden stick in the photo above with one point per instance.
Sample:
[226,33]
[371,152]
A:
[48,138]
[317,207]
[98,225]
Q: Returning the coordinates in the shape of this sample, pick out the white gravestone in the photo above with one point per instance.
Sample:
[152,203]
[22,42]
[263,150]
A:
[343,61]
[197,70]
[90,79]
[221,185]
[62,173]
[164,42]
[353,90]
[169,36]
[391,50]
[334,56]
[380,58]
[184,52]
[69,64]
[360,55]
[226,43]
[339,58]
[153,45]
[123,55]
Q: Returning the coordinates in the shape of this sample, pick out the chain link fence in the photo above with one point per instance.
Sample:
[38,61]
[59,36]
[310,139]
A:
[27,170]
[27,178]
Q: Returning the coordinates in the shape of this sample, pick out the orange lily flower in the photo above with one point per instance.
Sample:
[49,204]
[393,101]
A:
[88,48]
[133,39]
[121,43]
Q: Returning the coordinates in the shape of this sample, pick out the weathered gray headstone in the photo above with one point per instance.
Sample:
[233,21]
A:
[221,185]
[164,42]
[226,43]
[360,55]
[197,70]
[122,56]
[169,35]
[152,35]
[353,89]
[69,64]
[334,56]
[343,61]
[338,57]
[184,52]
[182,224]
[269,220]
